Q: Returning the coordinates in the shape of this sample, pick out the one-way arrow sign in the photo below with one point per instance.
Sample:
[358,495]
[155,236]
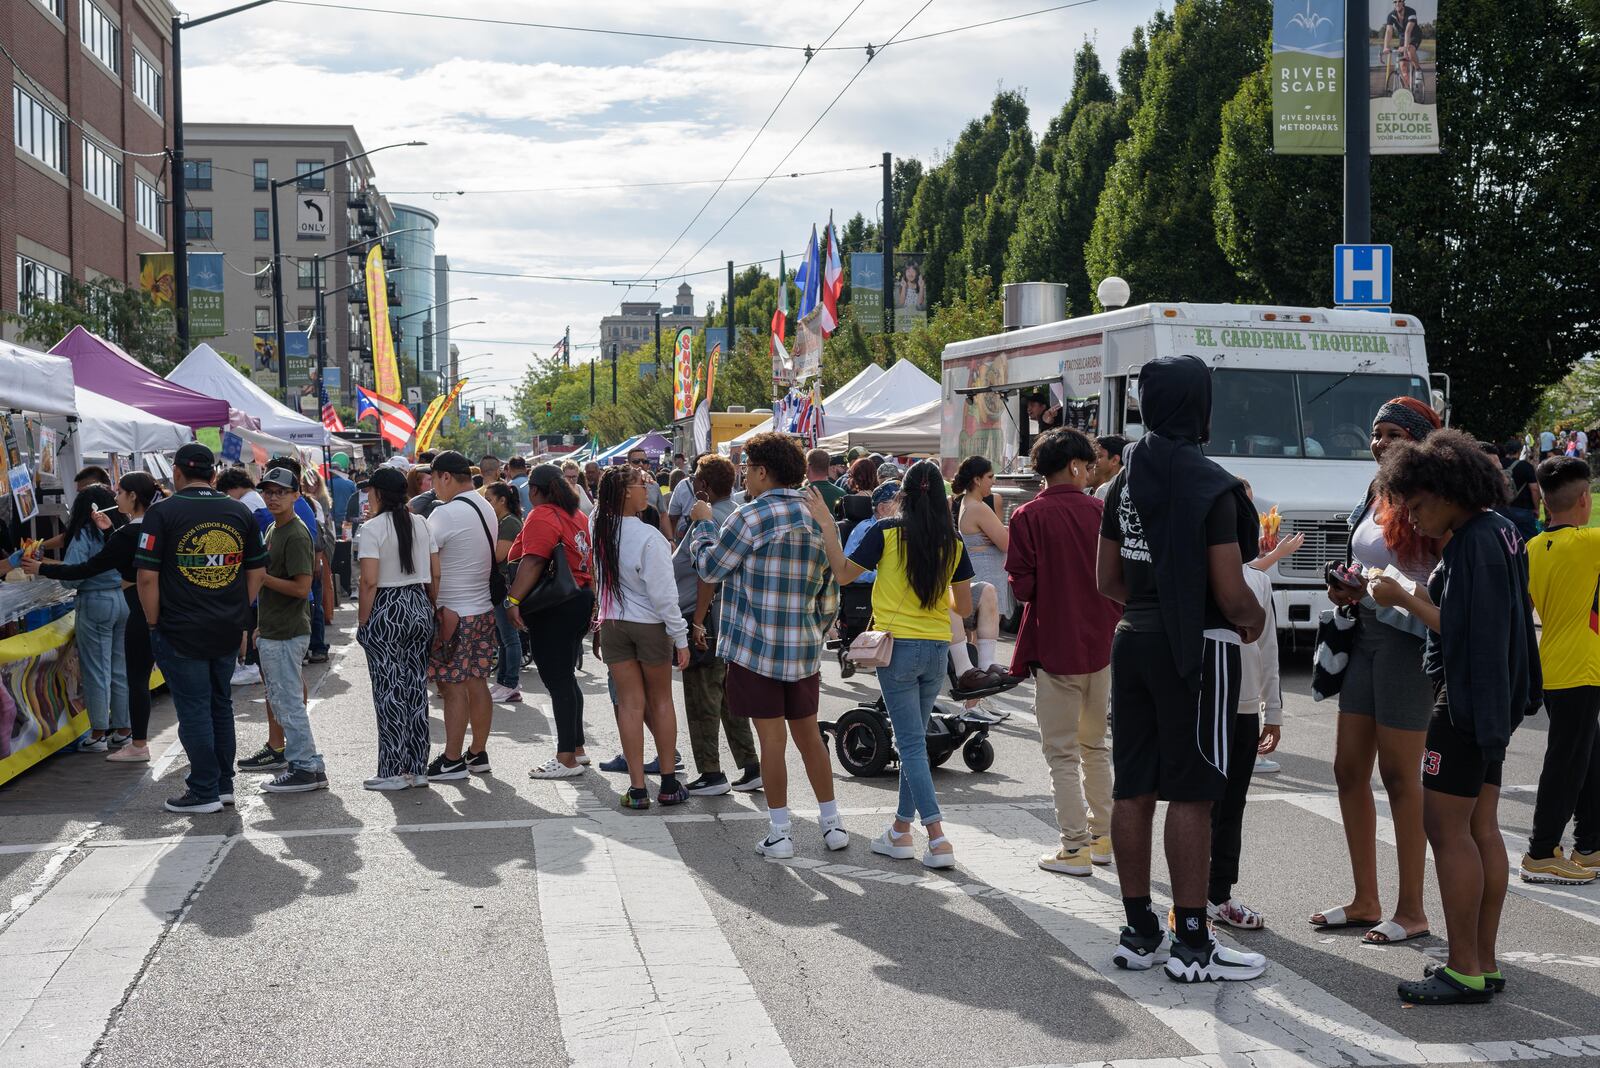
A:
[313,211]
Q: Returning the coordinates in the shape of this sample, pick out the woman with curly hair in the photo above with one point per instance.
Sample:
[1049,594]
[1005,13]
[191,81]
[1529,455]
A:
[1482,658]
[1386,702]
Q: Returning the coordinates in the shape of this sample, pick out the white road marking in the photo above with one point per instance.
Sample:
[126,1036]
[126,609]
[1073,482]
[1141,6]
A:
[1584,907]
[1528,1049]
[67,963]
[643,975]
[41,882]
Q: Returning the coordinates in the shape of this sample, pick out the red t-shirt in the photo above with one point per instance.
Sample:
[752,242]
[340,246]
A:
[545,526]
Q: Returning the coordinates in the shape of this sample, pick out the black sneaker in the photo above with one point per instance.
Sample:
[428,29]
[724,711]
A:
[296,781]
[191,804]
[709,785]
[1140,953]
[317,658]
[750,780]
[477,763]
[1216,962]
[264,759]
[654,766]
[675,796]
[442,769]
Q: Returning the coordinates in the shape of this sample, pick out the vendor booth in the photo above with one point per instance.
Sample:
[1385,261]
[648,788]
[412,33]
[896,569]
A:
[836,402]
[205,372]
[103,367]
[911,433]
[655,444]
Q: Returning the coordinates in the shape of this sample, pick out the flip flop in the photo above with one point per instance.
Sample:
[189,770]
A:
[1336,920]
[1441,989]
[1389,933]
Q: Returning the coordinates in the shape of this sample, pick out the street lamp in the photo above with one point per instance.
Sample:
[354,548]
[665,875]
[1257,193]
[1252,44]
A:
[424,311]
[180,239]
[277,246]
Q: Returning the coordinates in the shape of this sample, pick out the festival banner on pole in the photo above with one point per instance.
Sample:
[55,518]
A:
[434,416]
[683,374]
[1308,71]
[807,355]
[1403,76]
[205,289]
[866,290]
[910,292]
[385,368]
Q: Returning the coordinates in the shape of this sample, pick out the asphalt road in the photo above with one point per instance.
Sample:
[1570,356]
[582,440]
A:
[504,921]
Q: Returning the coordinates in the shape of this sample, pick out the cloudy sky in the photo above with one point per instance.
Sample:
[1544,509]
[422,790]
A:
[541,111]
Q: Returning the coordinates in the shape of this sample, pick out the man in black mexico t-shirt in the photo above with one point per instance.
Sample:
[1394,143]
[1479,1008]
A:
[200,562]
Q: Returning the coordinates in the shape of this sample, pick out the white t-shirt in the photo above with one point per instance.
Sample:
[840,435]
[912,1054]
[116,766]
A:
[376,541]
[465,553]
[1368,549]
[1547,441]
[1583,443]
[253,501]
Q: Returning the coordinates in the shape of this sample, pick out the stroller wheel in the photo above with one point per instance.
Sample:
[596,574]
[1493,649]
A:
[978,753]
[863,742]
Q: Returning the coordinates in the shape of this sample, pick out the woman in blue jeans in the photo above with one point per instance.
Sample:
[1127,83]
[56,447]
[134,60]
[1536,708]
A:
[923,571]
[100,620]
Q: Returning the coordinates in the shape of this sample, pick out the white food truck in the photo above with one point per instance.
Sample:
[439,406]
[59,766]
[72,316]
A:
[1294,393]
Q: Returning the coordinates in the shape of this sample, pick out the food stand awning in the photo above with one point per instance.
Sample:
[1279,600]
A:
[34,382]
[913,432]
[105,368]
[205,372]
[107,426]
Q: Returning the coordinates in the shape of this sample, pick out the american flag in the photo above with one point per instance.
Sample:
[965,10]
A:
[331,420]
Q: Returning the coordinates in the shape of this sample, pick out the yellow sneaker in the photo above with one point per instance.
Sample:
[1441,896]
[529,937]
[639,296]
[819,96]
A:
[1068,862]
[1555,868]
[1100,850]
[1588,860]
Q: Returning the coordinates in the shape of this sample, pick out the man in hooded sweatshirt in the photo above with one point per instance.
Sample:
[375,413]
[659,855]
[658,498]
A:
[1175,536]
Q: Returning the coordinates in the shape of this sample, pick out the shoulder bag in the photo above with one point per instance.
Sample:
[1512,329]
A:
[871,648]
[555,586]
[1337,628]
[497,578]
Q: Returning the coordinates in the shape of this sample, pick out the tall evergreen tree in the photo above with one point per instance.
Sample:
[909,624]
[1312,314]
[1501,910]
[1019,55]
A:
[993,219]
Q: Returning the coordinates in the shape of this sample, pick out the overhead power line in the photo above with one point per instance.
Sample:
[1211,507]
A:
[619,185]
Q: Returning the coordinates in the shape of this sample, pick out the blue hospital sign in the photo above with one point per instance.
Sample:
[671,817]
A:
[1363,274]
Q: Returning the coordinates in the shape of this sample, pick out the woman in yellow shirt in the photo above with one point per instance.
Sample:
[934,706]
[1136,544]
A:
[923,570]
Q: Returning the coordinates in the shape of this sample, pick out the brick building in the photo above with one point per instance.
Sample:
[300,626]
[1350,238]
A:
[85,188]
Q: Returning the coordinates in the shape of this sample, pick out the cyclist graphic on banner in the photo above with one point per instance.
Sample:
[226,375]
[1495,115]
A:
[1403,75]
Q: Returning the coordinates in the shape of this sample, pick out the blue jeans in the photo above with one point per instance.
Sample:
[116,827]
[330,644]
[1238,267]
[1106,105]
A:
[319,638]
[509,671]
[102,616]
[281,667]
[202,697]
[910,685]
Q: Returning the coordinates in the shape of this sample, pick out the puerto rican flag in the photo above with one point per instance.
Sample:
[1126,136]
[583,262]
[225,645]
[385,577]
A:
[365,407]
[396,424]
[832,279]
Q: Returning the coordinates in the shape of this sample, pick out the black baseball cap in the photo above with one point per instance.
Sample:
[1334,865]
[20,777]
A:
[194,457]
[451,462]
[388,480]
[543,476]
[280,477]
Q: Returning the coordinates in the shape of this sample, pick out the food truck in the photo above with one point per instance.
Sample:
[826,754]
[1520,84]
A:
[1294,391]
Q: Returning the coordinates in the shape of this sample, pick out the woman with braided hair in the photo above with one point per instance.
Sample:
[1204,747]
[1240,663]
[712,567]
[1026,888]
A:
[1386,701]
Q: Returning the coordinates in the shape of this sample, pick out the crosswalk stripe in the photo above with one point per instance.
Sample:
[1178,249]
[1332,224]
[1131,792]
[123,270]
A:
[643,975]
[1282,1017]
[1579,906]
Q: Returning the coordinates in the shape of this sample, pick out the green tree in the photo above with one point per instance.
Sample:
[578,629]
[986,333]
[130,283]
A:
[991,221]
[122,314]
[1154,225]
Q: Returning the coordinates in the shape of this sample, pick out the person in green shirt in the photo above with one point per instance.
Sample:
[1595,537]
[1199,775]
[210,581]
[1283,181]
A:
[818,472]
[283,621]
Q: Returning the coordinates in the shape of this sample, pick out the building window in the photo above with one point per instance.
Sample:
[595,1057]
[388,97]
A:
[263,275]
[263,319]
[263,224]
[37,281]
[307,316]
[197,174]
[147,207]
[147,82]
[100,35]
[258,172]
[102,174]
[58,8]
[314,181]
[197,224]
[305,277]
[38,131]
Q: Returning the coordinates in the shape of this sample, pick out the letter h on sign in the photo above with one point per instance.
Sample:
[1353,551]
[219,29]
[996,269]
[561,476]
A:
[1363,274]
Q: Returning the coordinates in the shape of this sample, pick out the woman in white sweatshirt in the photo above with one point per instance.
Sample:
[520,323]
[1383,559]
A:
[643,635]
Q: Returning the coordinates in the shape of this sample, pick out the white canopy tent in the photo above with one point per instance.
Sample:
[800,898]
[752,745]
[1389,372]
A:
[107,426]
[910,433]
[36,382]
[204,371]
[838,400]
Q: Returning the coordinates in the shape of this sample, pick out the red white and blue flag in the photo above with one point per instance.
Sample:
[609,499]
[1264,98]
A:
[147,542]
[396,424]
[832,279]
[808,279]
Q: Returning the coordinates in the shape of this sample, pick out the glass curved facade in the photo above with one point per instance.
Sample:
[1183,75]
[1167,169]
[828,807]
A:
[416,284]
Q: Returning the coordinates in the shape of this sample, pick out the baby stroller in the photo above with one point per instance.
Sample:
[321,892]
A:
[863,737]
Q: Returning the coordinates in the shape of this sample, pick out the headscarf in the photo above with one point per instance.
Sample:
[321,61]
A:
[1174,487]
[1409,414]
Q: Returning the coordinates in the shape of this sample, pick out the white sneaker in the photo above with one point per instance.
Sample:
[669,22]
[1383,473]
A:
[834,836]
[778,844]
[554,769]
[885,845]
[1267,767]
[390,782]
[583,760]
[930,859]
[982,713]
[246,675]
[1216,963]
[87,744]
[504,695]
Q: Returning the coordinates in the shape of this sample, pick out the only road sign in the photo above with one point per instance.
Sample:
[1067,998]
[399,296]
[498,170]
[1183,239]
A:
[1363,274]
[315,214]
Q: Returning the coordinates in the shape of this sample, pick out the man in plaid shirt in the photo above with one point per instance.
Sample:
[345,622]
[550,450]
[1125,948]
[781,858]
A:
[778,599]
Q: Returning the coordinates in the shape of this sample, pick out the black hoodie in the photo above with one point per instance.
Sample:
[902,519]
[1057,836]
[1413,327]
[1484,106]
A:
[1174,487]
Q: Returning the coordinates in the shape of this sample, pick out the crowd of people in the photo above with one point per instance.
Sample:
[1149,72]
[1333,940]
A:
[1143,586]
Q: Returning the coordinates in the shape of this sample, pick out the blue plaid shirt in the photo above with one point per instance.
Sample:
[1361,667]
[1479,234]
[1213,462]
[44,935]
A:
[778,595]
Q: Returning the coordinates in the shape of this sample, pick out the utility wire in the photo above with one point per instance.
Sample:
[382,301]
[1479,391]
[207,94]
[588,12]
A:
[620,185]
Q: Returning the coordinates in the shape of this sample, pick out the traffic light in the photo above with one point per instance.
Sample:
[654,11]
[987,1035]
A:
[549,409]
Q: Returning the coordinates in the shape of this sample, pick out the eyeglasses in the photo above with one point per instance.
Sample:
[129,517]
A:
[641,462]
[571,476]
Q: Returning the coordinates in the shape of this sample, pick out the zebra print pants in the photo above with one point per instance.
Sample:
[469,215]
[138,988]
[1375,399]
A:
[396,641]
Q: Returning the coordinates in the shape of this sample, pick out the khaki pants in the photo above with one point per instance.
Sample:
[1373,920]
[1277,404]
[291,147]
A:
[1071,710]
[705,705]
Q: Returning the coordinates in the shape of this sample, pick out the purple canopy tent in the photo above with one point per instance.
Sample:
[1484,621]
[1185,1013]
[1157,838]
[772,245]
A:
[104,368]
[655,445]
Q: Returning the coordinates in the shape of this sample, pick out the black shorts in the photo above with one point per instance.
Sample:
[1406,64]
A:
[1167,738]
[1453,763]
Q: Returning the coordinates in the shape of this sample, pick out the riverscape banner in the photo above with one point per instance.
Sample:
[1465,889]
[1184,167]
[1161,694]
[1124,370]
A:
[1308,71]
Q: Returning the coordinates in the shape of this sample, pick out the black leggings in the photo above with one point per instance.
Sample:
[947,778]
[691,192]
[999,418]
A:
[136,651]
[557,637]
[1569,785]
[1227,815]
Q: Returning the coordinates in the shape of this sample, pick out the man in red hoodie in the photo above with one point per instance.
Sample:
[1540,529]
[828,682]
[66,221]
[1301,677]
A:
[1065,643]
